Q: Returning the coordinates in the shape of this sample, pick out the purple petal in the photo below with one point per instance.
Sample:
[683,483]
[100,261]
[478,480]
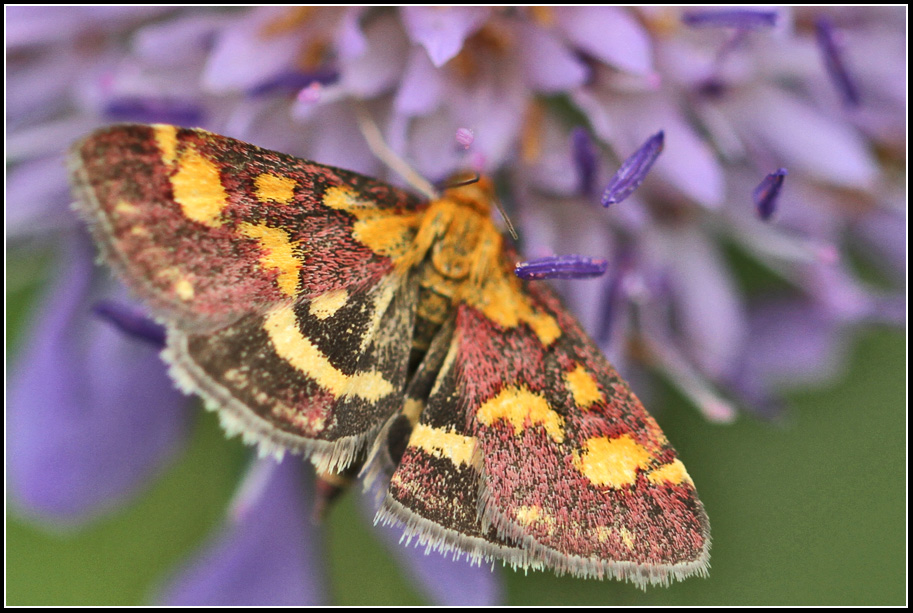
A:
[561,267]
[611,305]
[92,412]
[548,65]
[350,40]
[709,308]
[683,374]
[491,109]
[443,580]
[44,139]
[884,233]
[690,164]
[839,293]
[661,341]
[614,298]
[744,19]
[755,394]
[268,553]
[420,90]
[39,87]
[153,110]
[804,139]
[766,193]
[37,25]
[584,153]
[552,168]
[242,58]
[633,171]
[289,81]
[180,42]
[38,198]
[833,62]
[793,342]
[380,68]
[335,140]
[432,135]
[132,321]
[442,30]
[609,34]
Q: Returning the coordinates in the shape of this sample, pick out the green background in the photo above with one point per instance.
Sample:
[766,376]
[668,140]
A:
[810,511]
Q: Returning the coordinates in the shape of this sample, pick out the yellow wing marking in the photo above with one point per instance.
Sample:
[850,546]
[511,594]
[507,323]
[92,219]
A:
[125,208]
[605,533]
[166,137]
[197,186]
[673,472]
[180,283]
[583,387]
[279,254]
[412,409]
[443,443]
[612,462]
[535,515]
[326,305]
[294,347]
[522,409]
[184,289]
[384,232]
[274,188]
[627,537]
[503,301]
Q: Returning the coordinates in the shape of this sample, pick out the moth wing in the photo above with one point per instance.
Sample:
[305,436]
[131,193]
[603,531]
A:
[274,275]
[207,229]
[318,377]
[572,467]
[434,491]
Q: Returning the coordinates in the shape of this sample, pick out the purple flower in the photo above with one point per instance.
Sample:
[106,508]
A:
[832,57]
[153,110]
[746,19]
[293,80]
[633,171]
[585,160]
[92,414]
[131,321]
[286,78]
[766,193]
[561,267]
[266,554]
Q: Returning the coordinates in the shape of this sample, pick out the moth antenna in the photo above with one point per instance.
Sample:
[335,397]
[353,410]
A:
[389,157]
[510,226]
[475,179]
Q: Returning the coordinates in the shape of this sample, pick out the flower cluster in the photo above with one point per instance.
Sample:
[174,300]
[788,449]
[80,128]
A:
[554,102]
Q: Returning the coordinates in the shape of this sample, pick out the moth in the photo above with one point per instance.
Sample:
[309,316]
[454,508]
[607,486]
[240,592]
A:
[328,314]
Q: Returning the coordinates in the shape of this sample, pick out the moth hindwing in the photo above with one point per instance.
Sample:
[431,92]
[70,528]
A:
[326,313]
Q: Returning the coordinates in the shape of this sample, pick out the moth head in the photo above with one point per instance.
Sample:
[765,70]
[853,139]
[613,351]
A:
[474,191]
